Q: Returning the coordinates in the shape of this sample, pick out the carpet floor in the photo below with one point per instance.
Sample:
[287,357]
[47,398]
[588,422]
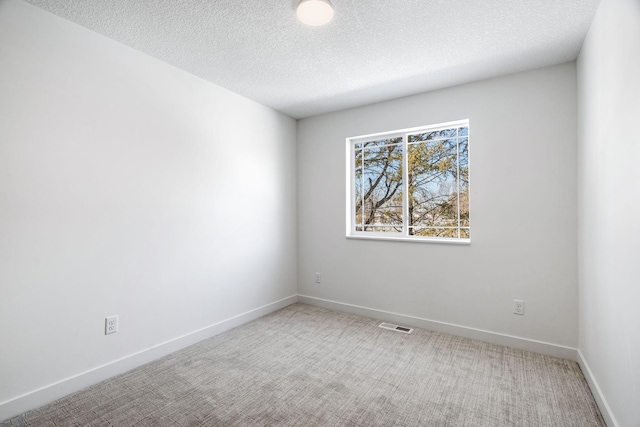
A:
[307,366]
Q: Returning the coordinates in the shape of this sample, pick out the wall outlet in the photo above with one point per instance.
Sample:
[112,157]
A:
[518,306]
[317,277]
[111,325]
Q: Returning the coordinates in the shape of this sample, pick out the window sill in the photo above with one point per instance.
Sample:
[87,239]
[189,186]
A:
[414,239]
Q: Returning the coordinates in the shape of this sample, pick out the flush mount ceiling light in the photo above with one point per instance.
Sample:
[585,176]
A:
[315,12]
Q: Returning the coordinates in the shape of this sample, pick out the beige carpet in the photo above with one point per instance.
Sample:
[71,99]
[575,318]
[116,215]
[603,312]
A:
[306,366]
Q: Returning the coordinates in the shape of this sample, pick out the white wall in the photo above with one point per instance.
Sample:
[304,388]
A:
[609,206]
[523,212]
[127,187]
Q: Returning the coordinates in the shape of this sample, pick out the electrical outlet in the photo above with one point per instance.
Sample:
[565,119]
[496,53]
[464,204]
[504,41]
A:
[111,325]
[518,306]
[317,277]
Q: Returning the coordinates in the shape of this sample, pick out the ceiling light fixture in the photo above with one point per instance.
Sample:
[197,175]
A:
[315,12]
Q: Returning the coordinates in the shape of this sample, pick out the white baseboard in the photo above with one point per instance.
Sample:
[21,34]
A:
[434,325]
[51,392]
[597,393]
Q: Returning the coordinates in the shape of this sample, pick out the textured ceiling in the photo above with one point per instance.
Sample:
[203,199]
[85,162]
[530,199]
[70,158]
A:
[371,51]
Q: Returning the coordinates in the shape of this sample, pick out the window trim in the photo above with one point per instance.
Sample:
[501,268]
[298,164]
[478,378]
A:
[351,232]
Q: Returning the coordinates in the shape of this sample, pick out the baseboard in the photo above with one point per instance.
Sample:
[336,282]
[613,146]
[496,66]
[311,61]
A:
[597,393]
[51,392]
[434,325]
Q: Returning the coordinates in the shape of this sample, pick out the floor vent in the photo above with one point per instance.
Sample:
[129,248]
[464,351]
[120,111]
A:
[392,327]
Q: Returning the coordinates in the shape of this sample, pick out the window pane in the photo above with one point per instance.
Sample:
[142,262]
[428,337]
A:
[463,156]
[433,191]
[434,135]
[435,232]
[464,233]
[380,229]
[358,186]
[380,188]
[382,142]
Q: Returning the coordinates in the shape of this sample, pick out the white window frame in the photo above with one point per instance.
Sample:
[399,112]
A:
[351,231]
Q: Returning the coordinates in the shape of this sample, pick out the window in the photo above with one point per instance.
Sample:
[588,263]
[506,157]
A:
[410,184]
